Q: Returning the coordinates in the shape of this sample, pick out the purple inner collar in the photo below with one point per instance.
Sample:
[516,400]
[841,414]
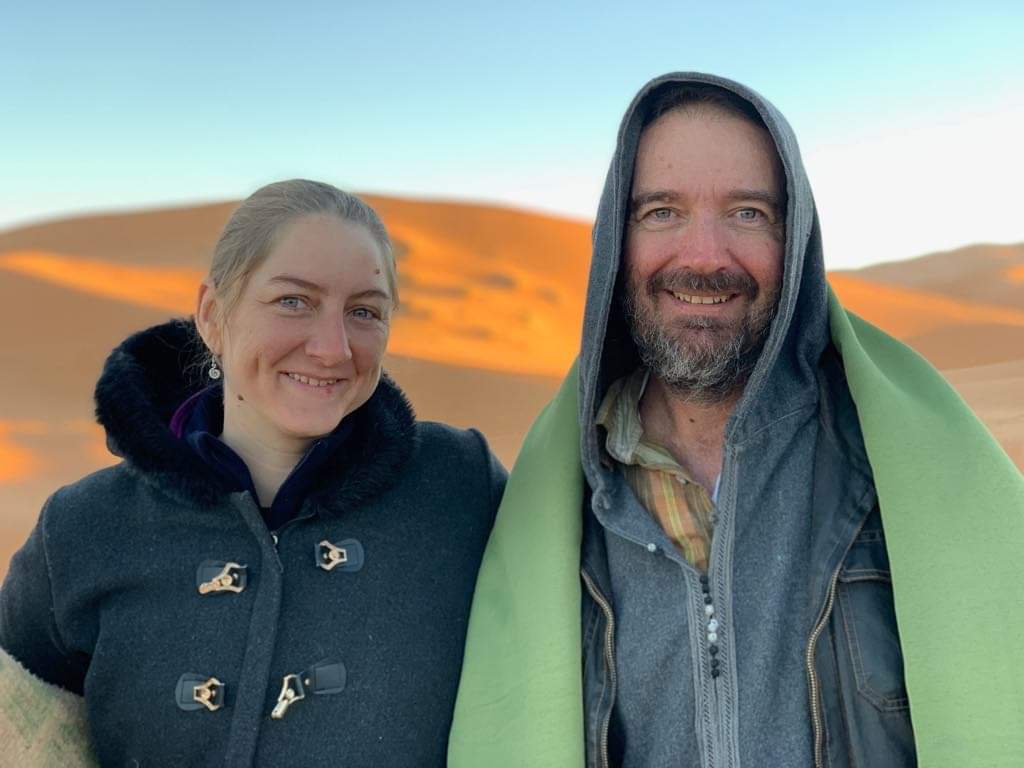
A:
[180,417]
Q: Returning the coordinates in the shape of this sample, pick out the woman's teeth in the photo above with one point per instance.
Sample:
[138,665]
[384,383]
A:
[311,381]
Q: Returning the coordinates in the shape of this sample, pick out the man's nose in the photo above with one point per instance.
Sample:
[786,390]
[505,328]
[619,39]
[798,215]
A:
[329,342]
[702,245]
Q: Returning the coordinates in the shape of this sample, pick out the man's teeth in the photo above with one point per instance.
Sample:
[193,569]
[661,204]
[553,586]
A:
[312,382]
[701,299]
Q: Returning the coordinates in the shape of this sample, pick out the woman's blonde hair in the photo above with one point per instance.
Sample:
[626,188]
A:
[255,225]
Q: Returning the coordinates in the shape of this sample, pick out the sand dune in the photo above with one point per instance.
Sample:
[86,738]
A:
[996,392]
[169,288]
[905,313]
[481,286]
[971,344]
[493,300]
[986,274]
[169,237]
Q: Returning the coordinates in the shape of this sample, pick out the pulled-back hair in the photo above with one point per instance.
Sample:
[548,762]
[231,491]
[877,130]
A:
[255,225]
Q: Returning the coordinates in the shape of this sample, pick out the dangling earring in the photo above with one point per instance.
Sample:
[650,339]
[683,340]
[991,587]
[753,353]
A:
[214,372]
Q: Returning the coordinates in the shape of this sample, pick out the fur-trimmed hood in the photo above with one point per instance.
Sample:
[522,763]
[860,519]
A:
[147,377]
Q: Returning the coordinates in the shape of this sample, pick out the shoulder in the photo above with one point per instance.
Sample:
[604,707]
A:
[93,504]
[113,479]
[435,435]
[458,451]
[458,461]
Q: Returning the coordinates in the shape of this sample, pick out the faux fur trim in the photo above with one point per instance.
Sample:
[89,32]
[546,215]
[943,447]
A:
[146,378]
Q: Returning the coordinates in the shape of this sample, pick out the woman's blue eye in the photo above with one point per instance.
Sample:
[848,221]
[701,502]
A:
[291,302]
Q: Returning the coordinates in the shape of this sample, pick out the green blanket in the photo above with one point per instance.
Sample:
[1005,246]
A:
[953,509]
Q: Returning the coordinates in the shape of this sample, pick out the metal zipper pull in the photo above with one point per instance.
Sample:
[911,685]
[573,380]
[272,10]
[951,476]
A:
[291,692]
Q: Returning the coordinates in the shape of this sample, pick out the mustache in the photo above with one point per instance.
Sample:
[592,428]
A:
[681,280]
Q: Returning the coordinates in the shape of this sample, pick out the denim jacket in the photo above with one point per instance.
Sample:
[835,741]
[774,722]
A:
[859,712]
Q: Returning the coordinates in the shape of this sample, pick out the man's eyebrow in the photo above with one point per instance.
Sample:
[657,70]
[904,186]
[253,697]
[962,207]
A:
[758,195]
[654,196]
[668,196]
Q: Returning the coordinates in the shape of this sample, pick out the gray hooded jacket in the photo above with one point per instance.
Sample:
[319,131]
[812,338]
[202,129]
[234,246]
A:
[808,651]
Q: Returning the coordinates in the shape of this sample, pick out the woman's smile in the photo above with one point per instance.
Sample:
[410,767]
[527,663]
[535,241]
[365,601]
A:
[313,385]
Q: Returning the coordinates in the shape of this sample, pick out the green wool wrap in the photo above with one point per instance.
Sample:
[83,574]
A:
[952,504]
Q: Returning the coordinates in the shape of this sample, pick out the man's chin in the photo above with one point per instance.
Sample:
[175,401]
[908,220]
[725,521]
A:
[703,342]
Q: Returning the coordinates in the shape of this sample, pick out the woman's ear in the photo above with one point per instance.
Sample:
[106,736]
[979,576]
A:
[207,316]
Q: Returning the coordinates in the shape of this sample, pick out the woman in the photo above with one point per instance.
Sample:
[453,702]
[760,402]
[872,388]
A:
[280,570]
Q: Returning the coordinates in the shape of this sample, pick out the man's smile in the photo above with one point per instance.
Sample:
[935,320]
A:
[689,298]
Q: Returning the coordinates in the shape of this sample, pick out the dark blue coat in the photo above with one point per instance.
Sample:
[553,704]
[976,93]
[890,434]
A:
[104,597]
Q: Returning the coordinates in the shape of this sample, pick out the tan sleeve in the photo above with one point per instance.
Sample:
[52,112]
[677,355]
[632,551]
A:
[41,724]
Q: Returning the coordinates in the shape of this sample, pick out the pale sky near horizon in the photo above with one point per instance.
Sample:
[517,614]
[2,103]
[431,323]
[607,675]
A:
[910,119]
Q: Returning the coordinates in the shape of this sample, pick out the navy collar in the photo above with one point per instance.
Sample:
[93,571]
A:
[199,421]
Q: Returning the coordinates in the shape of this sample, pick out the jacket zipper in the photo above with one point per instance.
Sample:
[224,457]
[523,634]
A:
[609,658]
[812,675]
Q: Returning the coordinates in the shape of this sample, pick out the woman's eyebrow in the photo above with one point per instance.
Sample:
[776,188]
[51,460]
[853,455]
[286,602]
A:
[309,286]
[297,281]
[371,292]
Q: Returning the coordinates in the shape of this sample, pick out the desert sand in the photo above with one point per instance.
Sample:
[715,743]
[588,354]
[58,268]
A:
[492,302]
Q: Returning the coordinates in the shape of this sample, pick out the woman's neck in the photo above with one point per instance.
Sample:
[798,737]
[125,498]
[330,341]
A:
[270,459]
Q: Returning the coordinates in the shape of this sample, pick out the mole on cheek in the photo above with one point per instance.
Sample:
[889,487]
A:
[376,271]
[241,399]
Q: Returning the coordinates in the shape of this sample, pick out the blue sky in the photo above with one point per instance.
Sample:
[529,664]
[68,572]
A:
[910,118]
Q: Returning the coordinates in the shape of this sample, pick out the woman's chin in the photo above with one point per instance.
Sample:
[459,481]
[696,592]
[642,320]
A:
[310,430]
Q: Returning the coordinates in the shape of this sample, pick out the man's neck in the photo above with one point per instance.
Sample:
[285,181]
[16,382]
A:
[694,433]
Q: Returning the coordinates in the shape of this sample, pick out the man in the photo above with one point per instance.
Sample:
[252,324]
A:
[750,530]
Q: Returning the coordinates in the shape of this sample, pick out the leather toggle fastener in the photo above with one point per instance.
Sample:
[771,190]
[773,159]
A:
[195,691]
[346,555]
[324,677]
[213,576]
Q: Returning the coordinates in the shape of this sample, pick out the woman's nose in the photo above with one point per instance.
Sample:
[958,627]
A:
[330,343]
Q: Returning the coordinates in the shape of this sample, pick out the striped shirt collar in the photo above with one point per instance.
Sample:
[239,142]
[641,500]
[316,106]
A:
[619,414]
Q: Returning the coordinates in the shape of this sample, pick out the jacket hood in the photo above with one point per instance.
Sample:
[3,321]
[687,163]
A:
[147,377]
[784,375]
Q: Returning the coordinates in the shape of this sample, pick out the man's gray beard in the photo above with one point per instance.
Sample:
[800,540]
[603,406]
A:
[704,370]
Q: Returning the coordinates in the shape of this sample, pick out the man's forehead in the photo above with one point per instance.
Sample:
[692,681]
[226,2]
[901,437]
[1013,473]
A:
[712,146]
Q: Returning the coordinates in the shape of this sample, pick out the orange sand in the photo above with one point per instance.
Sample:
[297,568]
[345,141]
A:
[17,463]
[904,313]
[170,288]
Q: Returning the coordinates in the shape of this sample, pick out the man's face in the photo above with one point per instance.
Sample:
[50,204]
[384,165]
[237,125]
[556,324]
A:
[704,249]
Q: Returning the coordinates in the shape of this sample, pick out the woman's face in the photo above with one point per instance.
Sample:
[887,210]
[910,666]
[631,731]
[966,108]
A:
[302,347]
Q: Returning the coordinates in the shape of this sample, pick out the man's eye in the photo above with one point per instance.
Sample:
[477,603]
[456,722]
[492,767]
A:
[660,214]
[751,215]
[365,313]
